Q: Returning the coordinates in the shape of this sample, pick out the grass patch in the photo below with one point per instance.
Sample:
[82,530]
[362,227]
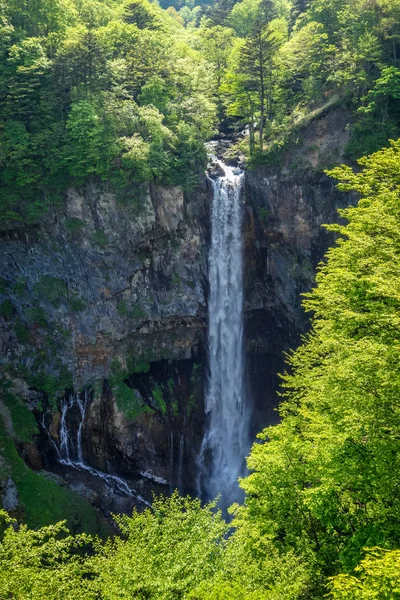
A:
[51,289]
[43,502]
[25,426]
[100,239]
[6,309]
[129,401]
[158,397]
[74,225]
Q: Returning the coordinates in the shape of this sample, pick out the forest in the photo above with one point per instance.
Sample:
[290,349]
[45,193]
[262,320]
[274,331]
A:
[128,91]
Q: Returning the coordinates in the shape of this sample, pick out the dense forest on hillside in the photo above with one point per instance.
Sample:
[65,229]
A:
[128,91]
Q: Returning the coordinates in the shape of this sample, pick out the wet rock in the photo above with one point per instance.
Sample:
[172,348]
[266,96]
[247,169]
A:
[9,496]
[32,456]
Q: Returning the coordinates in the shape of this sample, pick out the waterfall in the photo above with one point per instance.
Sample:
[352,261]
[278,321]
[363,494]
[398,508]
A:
[70,451]
[226,441]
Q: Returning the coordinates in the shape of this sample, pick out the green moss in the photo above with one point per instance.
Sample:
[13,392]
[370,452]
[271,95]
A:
[74,225]
[24,423]
[43,502]
[37,316]
[51,289]
[100,239]
[140,366]
[6,309]
[76,304]
[128,401]
[158,397]
[51,384]
[195,384]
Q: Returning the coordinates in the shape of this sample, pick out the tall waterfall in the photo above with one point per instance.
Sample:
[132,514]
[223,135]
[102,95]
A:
[226,440]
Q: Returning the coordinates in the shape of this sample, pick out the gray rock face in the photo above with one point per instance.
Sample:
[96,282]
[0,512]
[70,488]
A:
[109,285]
[106,278]
[9,497]
[285,240]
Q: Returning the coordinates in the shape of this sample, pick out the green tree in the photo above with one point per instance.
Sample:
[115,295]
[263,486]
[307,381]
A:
[257,64]
[324,481]
[377,576]
[47,563]
[217,43]
[163,553]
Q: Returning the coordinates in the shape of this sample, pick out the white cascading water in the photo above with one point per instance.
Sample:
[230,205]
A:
[70,451]
[226,441]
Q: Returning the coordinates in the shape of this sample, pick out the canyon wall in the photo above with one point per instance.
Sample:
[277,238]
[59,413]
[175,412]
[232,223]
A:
[110,293]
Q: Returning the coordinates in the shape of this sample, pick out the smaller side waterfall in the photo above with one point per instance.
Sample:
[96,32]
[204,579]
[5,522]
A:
[226,442]
[70,449]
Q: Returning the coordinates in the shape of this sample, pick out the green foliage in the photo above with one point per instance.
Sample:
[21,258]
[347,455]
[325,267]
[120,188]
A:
[42,500]
[290,60]
[47,563]
[24,423]
[128,399]
[323,483]
[158,396]
[50,384]
[109,90]
[377,576]
[164,552]
[379,116]
[51,289]
[161,554]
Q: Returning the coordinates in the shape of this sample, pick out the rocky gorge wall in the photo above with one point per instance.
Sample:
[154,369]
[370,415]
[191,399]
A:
[110,294]
[286,207]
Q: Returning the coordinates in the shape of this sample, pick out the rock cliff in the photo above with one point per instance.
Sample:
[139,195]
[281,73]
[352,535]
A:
[109,293]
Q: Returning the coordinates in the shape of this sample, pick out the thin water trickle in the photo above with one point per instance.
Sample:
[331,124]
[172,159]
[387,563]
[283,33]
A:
[70,450]
[226,441]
